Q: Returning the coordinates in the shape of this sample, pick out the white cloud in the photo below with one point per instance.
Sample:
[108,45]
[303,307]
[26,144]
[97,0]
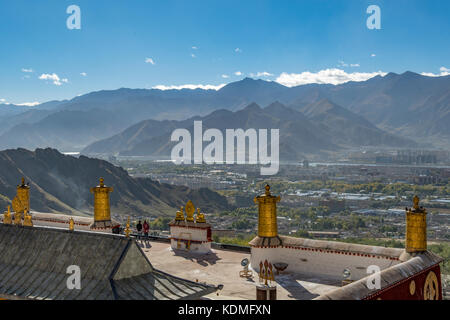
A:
[194,48]
[190,86]
[27,70]
[53,77]
[343,64]
[83,74]
[238,73]
[28,104]
[444,72]
[149,60]
[330,76]
[25,104]
[373,55]
[193,55]
[225,76]
[238,50]
[261,74]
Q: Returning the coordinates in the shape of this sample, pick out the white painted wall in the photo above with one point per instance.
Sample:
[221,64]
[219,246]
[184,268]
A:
[313,263]
[189,233]
[196,234]
[204,247]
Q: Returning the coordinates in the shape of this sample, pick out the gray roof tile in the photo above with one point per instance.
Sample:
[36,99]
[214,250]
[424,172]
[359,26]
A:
[33,264]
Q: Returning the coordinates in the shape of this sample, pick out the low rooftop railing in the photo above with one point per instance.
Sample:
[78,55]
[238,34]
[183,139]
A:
[214,245]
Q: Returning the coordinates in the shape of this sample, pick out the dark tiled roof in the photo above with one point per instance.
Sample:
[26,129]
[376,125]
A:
[163,287]
[34,261]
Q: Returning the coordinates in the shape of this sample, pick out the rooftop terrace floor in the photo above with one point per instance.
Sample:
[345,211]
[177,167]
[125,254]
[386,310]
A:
[223,266]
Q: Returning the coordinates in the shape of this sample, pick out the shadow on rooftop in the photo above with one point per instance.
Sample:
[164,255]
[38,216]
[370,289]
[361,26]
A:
[144,243]
[295,289]
[202,259]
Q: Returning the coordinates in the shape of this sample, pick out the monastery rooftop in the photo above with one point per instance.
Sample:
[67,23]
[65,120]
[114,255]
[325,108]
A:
[223,266]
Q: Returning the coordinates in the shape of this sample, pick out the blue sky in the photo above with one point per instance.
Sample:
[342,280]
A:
[211,43]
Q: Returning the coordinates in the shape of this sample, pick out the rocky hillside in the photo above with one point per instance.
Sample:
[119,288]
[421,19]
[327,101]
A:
[61,183]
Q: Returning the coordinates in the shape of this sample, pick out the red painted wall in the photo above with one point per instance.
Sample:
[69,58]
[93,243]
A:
[209,234]
[401,290]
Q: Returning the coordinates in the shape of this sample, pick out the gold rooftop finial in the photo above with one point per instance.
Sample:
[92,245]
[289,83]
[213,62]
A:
[27,219]
[7,219]
[180,215]
[267,187]
[22,198]
[102,209]
[416,227]
[267,214]
[127,228]
[190,209]
[200,218]
[71,224]
[416,201]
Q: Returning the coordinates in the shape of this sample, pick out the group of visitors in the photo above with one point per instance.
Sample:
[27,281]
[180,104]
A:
[145,226]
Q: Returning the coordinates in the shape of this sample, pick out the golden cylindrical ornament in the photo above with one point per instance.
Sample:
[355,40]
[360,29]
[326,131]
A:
[102,209]
[416,228]
[267,214]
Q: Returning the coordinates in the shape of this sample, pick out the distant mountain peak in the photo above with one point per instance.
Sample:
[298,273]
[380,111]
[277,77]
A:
[411,75]
[252,107]
[404,75]
[391,75]
[251,84]
[253,80]
[326,106]
[279,110]
[277,105]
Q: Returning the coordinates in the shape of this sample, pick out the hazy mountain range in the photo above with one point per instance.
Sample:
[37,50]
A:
[322,127]
[61,183]
[383,111]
